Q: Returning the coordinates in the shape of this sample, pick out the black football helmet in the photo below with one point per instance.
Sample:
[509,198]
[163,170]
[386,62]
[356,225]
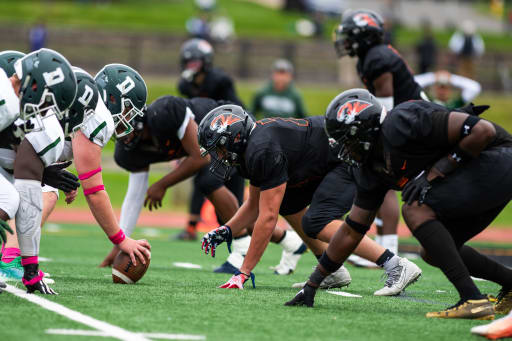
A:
[223,133]
[359,30]
[353,120]
[196,56]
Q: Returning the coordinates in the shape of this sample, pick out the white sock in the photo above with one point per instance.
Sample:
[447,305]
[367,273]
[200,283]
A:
[390,242]
[239,249]
[291,241]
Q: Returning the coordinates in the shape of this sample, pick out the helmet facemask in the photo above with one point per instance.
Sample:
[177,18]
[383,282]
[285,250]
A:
[35,113]
[344,44]
[191,69]
[123,119]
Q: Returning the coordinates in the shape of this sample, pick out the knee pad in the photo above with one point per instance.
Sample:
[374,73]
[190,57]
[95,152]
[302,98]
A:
[9,199]
[28,216]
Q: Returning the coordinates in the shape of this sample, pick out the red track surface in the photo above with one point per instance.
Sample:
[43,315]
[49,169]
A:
[166,219]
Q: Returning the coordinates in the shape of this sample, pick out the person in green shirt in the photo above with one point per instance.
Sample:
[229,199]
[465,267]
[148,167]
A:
[279,97]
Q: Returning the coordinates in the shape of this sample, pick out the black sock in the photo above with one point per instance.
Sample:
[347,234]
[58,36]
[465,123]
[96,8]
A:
[281,239]
[483,267]
[440,247]
[318,256]
[387,255]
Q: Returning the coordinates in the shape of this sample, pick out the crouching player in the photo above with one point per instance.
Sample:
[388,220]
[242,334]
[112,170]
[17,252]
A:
[455,174]
[290,167]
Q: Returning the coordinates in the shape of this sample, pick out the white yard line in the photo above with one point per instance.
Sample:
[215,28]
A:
[161,336]
[109,329]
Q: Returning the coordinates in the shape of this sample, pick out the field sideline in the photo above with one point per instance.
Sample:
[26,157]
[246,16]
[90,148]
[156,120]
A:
[167,298]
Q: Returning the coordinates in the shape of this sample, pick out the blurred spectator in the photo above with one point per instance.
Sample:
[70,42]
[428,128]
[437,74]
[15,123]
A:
[37,36]
[447,89]
[426,49]
[279,97]
[467,45]
[295,5]
[199,27]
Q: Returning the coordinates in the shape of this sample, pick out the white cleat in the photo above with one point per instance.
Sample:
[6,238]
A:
[289,261]
[495,330]
[361,262]
[399,278]
[340,278]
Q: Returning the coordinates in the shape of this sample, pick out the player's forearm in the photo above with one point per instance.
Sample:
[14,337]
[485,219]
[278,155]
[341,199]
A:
[101,208]
[260,238]
[244,217]
[188,167]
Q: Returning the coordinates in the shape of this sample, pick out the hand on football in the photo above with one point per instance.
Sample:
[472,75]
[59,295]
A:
[154,196]
[135,249]
[216,237]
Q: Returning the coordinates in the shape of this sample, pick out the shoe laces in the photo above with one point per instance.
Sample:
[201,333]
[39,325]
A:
[504,292]
[392,275]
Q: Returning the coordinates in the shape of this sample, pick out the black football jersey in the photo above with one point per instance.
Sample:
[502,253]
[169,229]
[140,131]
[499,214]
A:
[165,117]
[217,85]
[289,150]
[414,136]
[384,58]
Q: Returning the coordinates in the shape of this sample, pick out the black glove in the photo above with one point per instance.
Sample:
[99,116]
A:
[33,280]
[416,189]
[4,227]
[56,176]
[216,237]
[306,296]
[474,110]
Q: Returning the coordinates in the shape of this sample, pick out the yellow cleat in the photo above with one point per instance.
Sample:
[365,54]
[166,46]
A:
[471,309]
[504,301]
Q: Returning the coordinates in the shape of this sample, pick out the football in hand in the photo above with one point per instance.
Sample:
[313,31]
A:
[123,270]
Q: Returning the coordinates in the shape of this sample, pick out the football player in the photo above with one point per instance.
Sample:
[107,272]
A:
[40,92]
[290,167]
[168,131]
[454,171]
[386,75]
[199,78]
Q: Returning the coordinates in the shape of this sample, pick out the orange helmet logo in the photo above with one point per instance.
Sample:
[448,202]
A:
[222,122]
[363,19]
[348,111]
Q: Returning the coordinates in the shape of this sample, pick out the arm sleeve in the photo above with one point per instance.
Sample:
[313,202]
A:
[268,169]
[133,201]
[188,116]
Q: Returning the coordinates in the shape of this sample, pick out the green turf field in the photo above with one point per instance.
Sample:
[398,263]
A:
[175,300]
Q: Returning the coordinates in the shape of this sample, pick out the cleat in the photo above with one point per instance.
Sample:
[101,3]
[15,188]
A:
[187,235]
[289,261]
[495,330]
[339,279]
[480,309]
[361,262]
[399,278]
[226,268]
[12,271]
[504,301]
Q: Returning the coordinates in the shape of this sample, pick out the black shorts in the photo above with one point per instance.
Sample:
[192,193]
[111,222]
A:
[328,199]
[138,159]
[469,199]
[207,183]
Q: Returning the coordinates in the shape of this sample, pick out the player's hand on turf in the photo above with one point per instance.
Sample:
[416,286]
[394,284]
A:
[306,296]
[4,226]
[56,176]
[154,196]
[417,189]
[135,249]
[70,196]
[237,281]
[216,237]
[37,283]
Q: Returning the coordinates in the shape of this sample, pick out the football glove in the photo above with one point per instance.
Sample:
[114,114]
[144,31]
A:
[237,281]
[56,176]
[216,237]
[33,280]
[474,110]
[416,189]
[4,226]
[306,296]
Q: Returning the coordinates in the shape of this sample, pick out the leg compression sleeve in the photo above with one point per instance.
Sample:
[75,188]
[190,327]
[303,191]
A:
[28,217]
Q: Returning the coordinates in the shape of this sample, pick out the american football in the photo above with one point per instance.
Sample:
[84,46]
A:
[292,170]
[124,272]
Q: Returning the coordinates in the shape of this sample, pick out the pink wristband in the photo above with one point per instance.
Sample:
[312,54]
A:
[94,189]
[118,237]
[87,175]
